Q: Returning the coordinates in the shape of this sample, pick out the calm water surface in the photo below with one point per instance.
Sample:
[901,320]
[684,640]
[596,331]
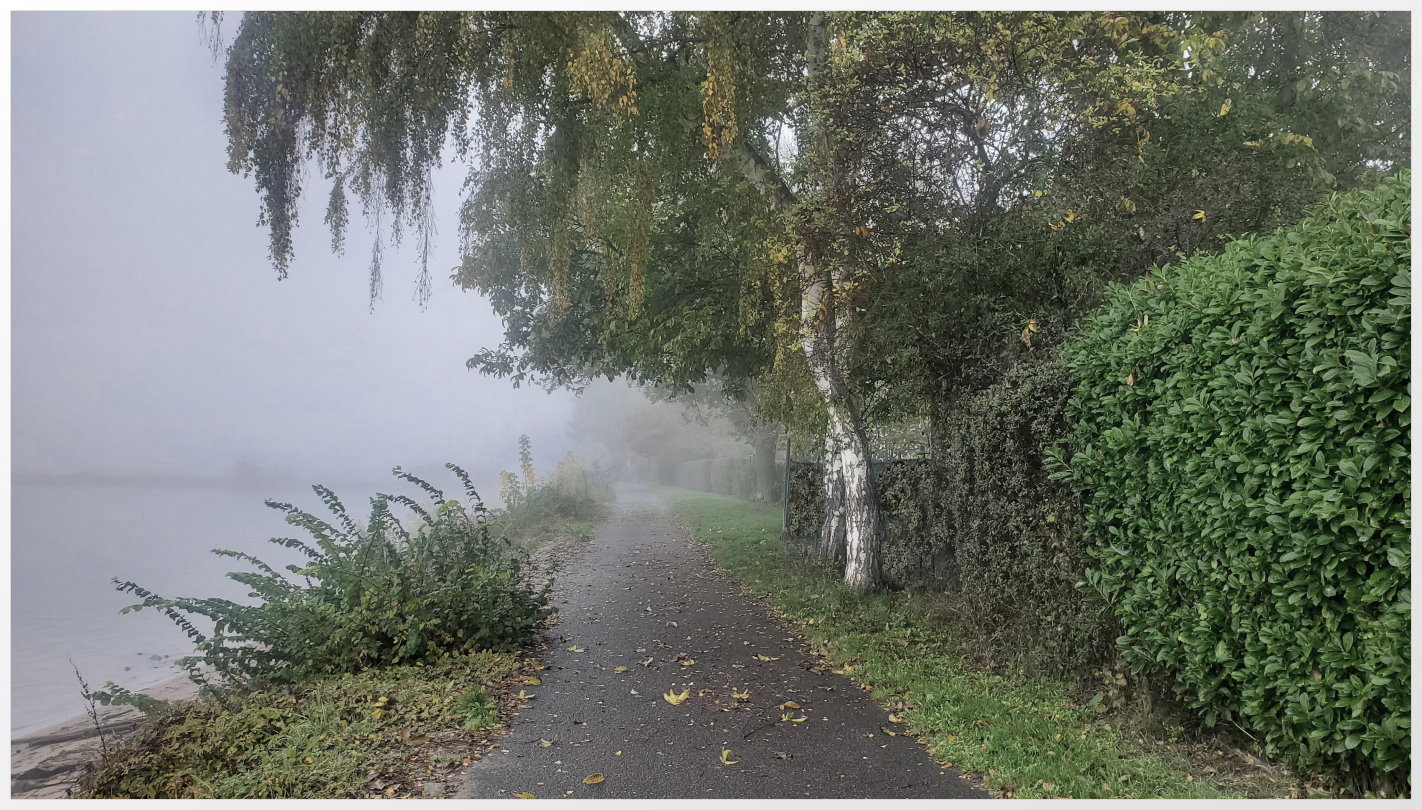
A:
[67,544]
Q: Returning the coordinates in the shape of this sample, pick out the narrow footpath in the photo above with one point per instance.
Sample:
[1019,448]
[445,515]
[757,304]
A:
[643,614]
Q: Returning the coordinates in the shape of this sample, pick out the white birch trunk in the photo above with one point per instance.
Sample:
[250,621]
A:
[832,539]
[853,520]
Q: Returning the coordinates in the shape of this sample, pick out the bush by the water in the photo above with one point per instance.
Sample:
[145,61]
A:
[367,596]
[570,501]
[1241,440]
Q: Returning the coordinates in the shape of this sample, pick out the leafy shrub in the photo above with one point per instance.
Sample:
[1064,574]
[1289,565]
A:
[366,596]
[1241,438]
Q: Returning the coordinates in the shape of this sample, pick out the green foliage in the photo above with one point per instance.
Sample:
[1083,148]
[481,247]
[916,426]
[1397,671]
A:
[367,596]
[1241,440]
[325,737]
[1294,105]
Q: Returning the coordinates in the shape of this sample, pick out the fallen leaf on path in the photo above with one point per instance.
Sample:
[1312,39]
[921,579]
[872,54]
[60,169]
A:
[726,757]
[760,657]
[888,732]
[894,718]
[789,704]
[622,668]
[544,743]
[576,649]
[672,624]
[676,700]
[845,670]
[594,779]
[740,695]
[532,681]
[524,795]
[688,662]
[649,660]
[522,695]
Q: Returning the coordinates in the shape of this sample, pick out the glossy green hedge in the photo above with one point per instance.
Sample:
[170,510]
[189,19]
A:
[1241,438]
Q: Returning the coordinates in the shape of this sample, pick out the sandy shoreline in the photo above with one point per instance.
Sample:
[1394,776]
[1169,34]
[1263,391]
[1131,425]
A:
[45,764]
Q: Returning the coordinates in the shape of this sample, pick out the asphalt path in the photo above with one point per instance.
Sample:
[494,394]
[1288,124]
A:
[643,612]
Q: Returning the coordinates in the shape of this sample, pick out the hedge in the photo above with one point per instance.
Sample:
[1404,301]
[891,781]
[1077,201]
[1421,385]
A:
[1241,441]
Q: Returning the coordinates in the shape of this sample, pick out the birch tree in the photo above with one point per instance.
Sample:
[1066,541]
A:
[668,195]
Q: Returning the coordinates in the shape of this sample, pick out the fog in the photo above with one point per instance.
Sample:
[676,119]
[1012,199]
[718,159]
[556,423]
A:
[164,381]
[151,335]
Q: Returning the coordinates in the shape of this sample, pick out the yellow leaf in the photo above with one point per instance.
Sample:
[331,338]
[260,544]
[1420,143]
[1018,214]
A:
[649,661]
[1199,215]
[676,699]
[622,668]
[523,795]
[1037,192]
[594,779]
[888,732]
[576,649]
[1131,378]
[532,681]
[726,757]
[789,704]
[308,760]
[1070,215]
[802,718]
[760,657]
[545,743]
[1224,108]
[740,695]
[671,624]
[894,718]
[522,695]
[378,713]
[845,670]
[688,662]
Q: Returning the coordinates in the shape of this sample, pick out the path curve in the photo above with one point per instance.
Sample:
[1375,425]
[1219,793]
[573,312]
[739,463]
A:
[617,603]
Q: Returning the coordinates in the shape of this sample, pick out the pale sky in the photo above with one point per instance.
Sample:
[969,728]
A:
[150,333]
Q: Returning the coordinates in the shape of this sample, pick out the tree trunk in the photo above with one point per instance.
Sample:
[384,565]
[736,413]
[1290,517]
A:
[765,442]
[863,519]
[853,520]
[832,530]
[849,487]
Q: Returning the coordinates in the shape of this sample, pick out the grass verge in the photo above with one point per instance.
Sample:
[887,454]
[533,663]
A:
[1024,736]
[382,732]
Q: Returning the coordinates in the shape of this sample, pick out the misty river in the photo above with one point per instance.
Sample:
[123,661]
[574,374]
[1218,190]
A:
[69,542]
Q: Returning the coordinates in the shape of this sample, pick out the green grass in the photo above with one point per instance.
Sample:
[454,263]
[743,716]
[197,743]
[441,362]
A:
[381,731]
[1026,737]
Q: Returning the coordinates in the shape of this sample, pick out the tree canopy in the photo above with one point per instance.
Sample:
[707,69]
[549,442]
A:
[864,211]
